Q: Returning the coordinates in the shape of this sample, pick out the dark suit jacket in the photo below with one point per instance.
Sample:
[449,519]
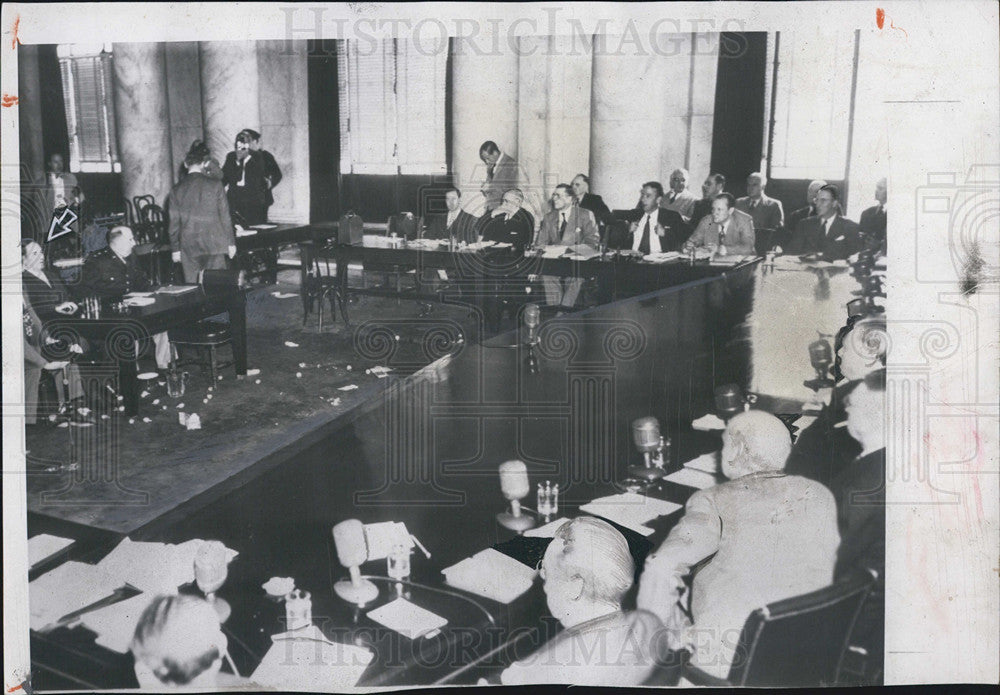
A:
[843,240]
[768,214]
[200,223]
[44,298]
[786,238]
[104,274]
[518,230]
[701,208]
[272,173]
[464,228]
[823,451]
[676,230]
[247,203]
[596,205]
[872,225]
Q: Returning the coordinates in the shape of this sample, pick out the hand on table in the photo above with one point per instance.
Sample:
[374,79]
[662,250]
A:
[232,251]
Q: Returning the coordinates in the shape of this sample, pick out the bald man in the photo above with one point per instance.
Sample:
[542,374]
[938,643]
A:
[772,535]
[679,198]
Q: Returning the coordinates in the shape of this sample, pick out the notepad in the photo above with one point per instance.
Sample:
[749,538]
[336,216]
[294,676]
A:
[491,574]
[306,660]
[630,510]
[43,546]
[662,257]
[690,477]
[707,463]
[546,531]
[408,619]
[114,625]
[66,589]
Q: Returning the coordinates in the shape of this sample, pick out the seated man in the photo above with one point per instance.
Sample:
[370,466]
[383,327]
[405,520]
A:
[773,536]
[653,229]
[179,642]
[727,232]
[872,224]
[509,223]
[766,212]
[48,295]
[567,225]
[713,186]
[586,571]
[679,198]
[66,374]
[113,272]
[590,201]
[828,233]
[455,224]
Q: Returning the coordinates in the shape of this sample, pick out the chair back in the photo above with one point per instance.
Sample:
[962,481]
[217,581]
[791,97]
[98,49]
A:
[406,225]
[800,641]
[141,202]
[351,230]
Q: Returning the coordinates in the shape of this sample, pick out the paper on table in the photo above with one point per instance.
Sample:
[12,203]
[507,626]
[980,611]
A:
[630,510]
[408,619]
[264,227]
[306,660]
[476,245]
[691,477]
[554,251]
[491,574]
[245,232]
[67,588]
[708,422]
[154,567]
[662,257]
[584,251]
[707,463]
[115,624]
[284,295]
[546,531]
[176,289]
[44,546]
[380,538]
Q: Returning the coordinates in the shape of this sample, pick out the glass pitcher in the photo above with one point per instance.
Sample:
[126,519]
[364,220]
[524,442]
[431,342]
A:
[176,383]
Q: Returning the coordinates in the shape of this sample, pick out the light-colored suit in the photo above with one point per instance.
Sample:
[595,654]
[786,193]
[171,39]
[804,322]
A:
[581,228]
[682,202]
[740,237]
[505,177]
[773,536]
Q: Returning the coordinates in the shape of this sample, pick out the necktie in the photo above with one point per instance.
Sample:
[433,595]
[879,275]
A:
[489,172]
[562,227]
[753,204]
[644,244]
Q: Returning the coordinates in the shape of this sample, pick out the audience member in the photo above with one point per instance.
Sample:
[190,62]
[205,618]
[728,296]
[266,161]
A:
[455,224]
[766,211]
[567,225]
[60,188]
[766,536]
[828,233]
[727,229]
[246,183]
[501,175]
[873,220]
[201,228]
[713,186]
[37,345]
[679,198]
[652,228]
[587,570]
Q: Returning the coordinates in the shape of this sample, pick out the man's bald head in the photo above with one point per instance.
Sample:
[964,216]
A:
[754,442]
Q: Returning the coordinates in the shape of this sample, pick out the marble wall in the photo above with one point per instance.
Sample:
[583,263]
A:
[184,100]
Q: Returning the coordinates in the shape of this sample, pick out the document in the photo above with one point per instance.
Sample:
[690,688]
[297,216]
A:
[66,589]
[43,546]
[305,660]
[546,531]
[630,510]
[408,619]
[690,477]
[114,625]
[707,463]
[491,574]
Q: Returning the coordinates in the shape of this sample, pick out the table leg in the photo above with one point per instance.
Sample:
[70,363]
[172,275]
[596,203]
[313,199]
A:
[238,330]
[128,384]
[305,263]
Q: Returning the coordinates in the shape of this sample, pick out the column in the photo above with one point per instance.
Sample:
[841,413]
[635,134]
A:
[184,99]
[140,90]
[30,113]
[532,122]
[230,93]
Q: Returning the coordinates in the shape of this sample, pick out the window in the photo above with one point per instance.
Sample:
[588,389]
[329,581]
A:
[90,113]
[812,105]
[392,108]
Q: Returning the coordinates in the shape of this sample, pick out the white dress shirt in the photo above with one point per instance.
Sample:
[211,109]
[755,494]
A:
[654,238]
[58,190]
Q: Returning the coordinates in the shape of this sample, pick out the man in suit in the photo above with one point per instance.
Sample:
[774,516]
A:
[272,172]
[828,233]
[455,224]
[201,228]
[713,186]
[59,188]
[767,536]
[567,225]
[728,232]
[679,198]
[873,220]
[246,183]
[590,201]
[766,212]
[796,216]
[65,373]
[510,223]
[113,272]
[501,174]
[652,228]
[48,295]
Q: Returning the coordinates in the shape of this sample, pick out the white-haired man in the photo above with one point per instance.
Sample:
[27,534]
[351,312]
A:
[773,536]
[587,570]
[679,198]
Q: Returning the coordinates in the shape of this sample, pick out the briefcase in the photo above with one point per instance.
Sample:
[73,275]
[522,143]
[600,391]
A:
[351,230]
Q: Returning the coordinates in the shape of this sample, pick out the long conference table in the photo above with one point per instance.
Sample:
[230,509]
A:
[425,451]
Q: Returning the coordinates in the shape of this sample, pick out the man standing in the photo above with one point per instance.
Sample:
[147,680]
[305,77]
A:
[873,220]
[827,233]
[201,229]
[272,172]
[455,224]
[501,174]
[679,198]
[713,186]
[653,229]
[796,216]
[246,184]
[727,231]
[766,212]
[567,225]
[767,536]
[590,201]
[60,187]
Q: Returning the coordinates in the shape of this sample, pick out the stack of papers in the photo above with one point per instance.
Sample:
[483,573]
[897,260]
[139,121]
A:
[691,477]
[491,574]
[729,260]
[306,660]
[158,568]
[408,619]
[546,531]
[43,546]
[662,257]
[66,589]
[707,463]
[554,251]
[475,246]
[630,510]
[115,624]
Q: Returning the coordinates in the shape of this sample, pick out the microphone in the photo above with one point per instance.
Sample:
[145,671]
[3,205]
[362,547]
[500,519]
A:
[651,444]
[532,316]
[352,552]
[514,486]
[820,358]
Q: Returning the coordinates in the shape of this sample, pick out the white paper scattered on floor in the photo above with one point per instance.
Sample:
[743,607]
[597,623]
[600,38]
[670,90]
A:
[491,574]
[68,588]
[690,477]
[630,510]
[44,546]
[306,660]
[289,343]
[408,619]
[349,387]
[284,295]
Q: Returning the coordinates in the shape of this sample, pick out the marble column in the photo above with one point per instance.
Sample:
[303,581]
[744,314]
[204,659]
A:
[140,88]
[532,122]
[484,107]
[30,114]
[568,123]
[184,99]
[230,92]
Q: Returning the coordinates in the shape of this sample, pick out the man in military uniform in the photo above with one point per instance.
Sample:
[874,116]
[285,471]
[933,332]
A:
[113,272]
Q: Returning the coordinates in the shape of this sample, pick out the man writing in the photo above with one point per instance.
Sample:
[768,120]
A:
[726,232]
[567,225]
